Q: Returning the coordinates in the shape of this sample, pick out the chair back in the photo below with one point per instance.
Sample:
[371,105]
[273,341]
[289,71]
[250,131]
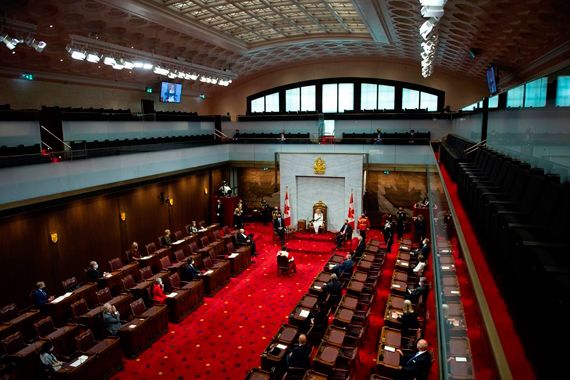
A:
[174,281]
[230,247]
[115,264]
[70,284]
[150,248]
[104,295]
[44,327]
[321,205]
[84,341]
[187,229]
[208,262]
[202,224]
[282,262]
[226,230]
[217,235]
[78,308]
[8,312]
[205,241]
[138,307]
[165,262]
[179,255]
[193,247]
[128,282]
[145,272]
[178,235]
[13,343]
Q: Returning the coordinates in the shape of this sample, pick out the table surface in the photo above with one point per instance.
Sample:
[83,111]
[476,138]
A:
[327,354]
[391,337]
[335,336]
[349,302]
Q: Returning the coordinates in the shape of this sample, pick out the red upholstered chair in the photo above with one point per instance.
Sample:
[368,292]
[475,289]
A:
[108,352]
[79,308]
[179,256]
[104,295]
[13,343]
[204,241]
[167,265]
[128,282]
[115,264]
[70,284]
[60,337]
[194,247]
[146,273]
[24,356]
[202,224]
[150,248]
[178,235]
[138,308]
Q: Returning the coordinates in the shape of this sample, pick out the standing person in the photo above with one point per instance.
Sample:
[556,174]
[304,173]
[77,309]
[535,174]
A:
[363,225]
[238,221]
[420,226]
[387,230]
[282,137]
[219,212]
[265,212]
[400,222]
[408,319]
[415,366]
[318,220]
[279,227]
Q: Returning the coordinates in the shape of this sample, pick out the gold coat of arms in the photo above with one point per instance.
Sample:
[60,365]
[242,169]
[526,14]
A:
[54,237]
[319,166]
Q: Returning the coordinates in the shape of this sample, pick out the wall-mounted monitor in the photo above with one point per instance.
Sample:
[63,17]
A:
[170,92]
[492,79]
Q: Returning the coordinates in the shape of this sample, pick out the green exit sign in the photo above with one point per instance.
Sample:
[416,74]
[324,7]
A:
[386,171]
[149,90]
[28,76]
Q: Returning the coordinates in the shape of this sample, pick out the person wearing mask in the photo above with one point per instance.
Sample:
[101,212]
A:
[345,266]
[94,273]
[166,240]
[300,355]
[134,252]
[318,220]
[48,359]
[415,366]
[279,227]
[408,319]
[193,229]
[244,239]
[333,288]
[158,295]
[40,296]
[400,222]
[111,319]
[219,212]
[344,234]
[189,271]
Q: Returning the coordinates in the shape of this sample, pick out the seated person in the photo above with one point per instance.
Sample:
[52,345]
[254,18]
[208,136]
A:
[48,359]
[300,355]
[166,240]
[421,290]
[111,319]
[345,266]
[94,273]
[420,266]
[134,252]
[318,220]
[40,296]
[244,239]
[290,258]
[344,234]
[408,319]
[193,228]
[333,288]
[415,366]
[189,271]
[158,295]
[319,317]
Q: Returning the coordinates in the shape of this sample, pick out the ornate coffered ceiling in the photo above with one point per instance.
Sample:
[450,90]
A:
[253,36]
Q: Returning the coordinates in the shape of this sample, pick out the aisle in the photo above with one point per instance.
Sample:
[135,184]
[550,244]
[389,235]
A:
[225,336]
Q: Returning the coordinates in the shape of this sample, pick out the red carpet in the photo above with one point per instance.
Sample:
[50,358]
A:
[225,337]
[514,351]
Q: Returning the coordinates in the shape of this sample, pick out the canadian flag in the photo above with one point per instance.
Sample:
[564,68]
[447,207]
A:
[287,209]
[351,210]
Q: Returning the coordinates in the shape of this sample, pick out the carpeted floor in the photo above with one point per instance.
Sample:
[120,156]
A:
[514,351]
[225,337]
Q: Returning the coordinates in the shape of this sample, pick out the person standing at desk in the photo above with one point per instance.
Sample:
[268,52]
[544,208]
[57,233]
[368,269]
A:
[408,319]
[332,288]
[420,226]
[111,319]
[265,212]
[415,366]
[219,212]
[279,227]
[40,296]
[300,355]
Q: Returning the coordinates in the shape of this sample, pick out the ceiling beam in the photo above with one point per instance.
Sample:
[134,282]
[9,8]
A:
[152,12]
[375,19]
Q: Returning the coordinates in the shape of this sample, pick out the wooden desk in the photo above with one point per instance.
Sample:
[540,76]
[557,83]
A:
[135,336]
[372,249]
[400,276]
[355,287]
[456,326]
[447,269]
[334,336]
[308,301]
[111,281]
[395,302]
[61,311]
[404,256]
[391,317]
[364,265]
[391,337]
[86,369]
[374,242]
[343,317]
[460,369]
[298,316]
[450,281]
[25,323]
[446,260]
[349,302]
[399,286]
[258,374]
[274,355]
[286,334]
[451,292]
[360,276]
[153,261]
[314,375]
[387,358]
[326,355]
[368,257]
[454,309]
[459,347]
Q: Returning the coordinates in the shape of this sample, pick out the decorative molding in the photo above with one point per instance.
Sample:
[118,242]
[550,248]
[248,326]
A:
[373,18]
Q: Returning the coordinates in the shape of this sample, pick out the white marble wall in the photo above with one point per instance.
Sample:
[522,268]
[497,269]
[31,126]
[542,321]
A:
[344,173]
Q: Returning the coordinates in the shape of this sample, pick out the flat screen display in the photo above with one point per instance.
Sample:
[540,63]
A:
[170,92]
[492,80]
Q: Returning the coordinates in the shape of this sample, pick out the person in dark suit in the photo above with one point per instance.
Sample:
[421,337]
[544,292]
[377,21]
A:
[94,273]
[388,234]
[238,220]
[166,240]
[111,319]
[360,247]
[333,289]
[265,212]
[408,319]
[421,290]
[400,222]
[279,227]
[417,365]
[300,355]
[420,226]
[189,271]
[345,266]
[40,296]
[219,212]
[344,234]
[243,239]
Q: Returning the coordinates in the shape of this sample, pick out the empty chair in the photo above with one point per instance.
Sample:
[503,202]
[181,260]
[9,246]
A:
[108,352]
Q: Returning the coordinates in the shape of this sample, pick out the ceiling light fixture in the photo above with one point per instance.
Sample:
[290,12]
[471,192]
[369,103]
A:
[93,57]
[141,60]
[433,11]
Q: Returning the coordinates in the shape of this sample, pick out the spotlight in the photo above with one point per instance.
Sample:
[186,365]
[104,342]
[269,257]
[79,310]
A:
[427,27]
[431,11]
[160,70]
[9,41]
[203,96]
[173,74]
[128,65]
[76,54]
[93,57]
[109,61]
[142,65]
[433,3]
[119,64]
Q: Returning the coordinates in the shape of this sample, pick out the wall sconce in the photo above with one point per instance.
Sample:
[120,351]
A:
[123,216]
[170,201]
[53,237]
[205,191]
